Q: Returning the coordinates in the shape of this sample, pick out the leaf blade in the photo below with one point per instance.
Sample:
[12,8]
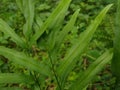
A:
[67,28]
[94,68]
[6,29]
[50,22]
[15,78]
[27,8]
[24,60]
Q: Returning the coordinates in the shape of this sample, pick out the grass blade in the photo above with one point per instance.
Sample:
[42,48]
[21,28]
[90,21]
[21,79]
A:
[69,60]
[24,60]
[50,22]
[4,27]
[94,68]
[14,78]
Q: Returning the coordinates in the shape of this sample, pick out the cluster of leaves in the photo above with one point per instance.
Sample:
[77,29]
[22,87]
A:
[40,44]
[102,39]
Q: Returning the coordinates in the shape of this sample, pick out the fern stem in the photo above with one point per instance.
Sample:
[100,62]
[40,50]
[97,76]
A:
[53,69]
[36,80]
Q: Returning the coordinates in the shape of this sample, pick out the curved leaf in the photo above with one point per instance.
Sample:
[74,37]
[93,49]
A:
[66,29]
[92,70]
[24,60]
[27,8]
[6,29]
[15,78]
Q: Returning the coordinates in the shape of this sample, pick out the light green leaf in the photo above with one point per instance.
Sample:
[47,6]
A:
[43,7]
[52,20]
[89,74]
[27,8]
[15,78]
[78,48]
[20,5]
[56,40]
[39,22]
[4,27]
[66,29]
[24,60]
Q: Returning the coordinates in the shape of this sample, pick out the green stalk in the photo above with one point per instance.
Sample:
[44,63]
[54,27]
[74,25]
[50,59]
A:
[54,72]
[116,57]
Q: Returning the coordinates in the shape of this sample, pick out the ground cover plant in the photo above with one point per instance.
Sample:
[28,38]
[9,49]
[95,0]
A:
[33,53]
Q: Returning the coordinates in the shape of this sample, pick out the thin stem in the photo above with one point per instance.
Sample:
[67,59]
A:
[36,80]
[53,69]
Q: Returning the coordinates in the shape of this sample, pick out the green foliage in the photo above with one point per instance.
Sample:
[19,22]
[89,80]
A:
[4,27]
[27,8]
[115,61]
[43,68]
[24,60]
[116,57]
[14,78]
[79,47]
[89,74]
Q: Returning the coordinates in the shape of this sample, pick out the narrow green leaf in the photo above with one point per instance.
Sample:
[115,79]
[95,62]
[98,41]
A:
[56,39]
[56,36]
[39,22]
[55,30]
[70,59]
[20,4]
[115,65]
[52,20]
[4,27]
[67,28]
[27,8]
[89,74]
[24,60]
[116,57]
[15,78]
